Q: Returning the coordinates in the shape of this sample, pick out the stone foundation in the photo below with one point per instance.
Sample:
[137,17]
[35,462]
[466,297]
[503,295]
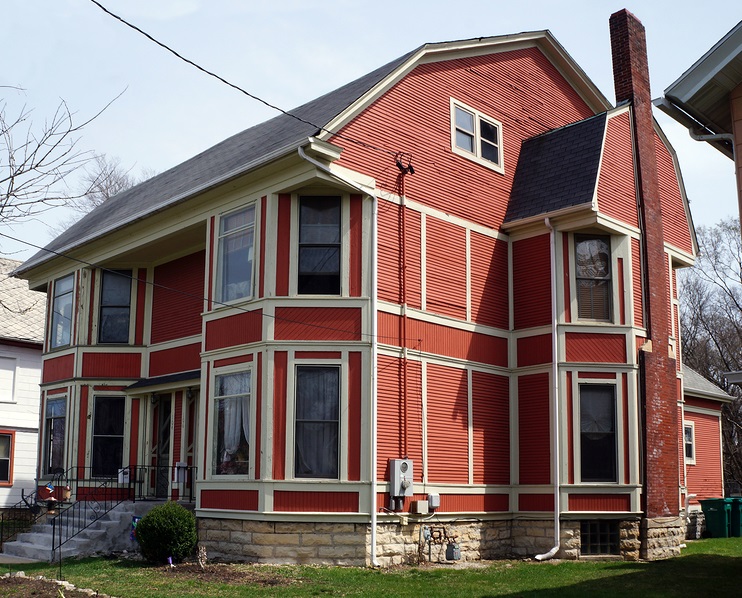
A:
[284,542]
[696,526]
[662,537]
[397,544]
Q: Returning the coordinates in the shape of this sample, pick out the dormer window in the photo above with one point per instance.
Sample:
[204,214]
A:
[593,277]
[476,136]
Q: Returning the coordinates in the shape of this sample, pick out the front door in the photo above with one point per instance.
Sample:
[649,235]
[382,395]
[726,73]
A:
[161,445]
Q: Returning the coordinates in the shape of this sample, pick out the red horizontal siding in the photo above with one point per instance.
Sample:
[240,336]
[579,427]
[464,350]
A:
[178,298]
[399,414]
[521,88]
[477,503]
[489,281]
[232,500]
[491,428]
[532,282]
[599,502]
[280,372]
[355,383]
[616,185]
[636,283]
[318,323]
[535,502]
[691,401]
[283,245]
[178,359]
[317,355]
[400,270]
[601,375]
[534,443]
[444,340]
[445,268]
[534,350]
[320,502]
[141,306]
[705,477]
[591,347]
[675,224]
[59,368]
[231,331]
[220,363]
[356,245]
[447,425]
[113,365]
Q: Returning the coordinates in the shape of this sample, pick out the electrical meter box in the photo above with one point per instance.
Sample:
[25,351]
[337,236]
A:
[400,477]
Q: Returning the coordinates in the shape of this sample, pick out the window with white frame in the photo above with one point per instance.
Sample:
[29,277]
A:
[319,246]
[115,306]
[593,277]
[55,418]
[7,379]
[598,439]
[108,435]
[60,334]
[235,255]
[6,458]
[317,423]
[231,449]
[689,442]
[476,136]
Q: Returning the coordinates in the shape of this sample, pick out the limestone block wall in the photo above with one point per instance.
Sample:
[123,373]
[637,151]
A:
[662,537]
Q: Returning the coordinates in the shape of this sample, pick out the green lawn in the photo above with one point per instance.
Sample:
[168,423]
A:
[706,567]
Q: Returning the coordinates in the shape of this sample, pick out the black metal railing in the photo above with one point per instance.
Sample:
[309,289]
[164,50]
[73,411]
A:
[94,495]
[19,517]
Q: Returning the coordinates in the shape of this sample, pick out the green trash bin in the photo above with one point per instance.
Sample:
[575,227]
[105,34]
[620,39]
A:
[718,512]
[735,530]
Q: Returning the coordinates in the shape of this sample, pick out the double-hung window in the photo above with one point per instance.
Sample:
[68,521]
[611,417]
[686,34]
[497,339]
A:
[6,458]
[108,435]
[593,277]
[319,246]
[598,439]
[476,136]
[55,419]
[115,306]
[689,442]
[231,455]
[235,254]
[317,432]
[60,334]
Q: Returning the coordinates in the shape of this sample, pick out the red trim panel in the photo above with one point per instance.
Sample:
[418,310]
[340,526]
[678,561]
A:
[598,375]
[261,259]
[322,502]
[177,359]
[535,502]
[534,350]
[356,245]
[280,364]
[355,377]
[59,368]
[83,428]
[317,355]
[532,282]
[134,444]
[177,313]
[258,415]
[534,438]
[239,329]
[591,347]
[491,428]
[232,500]
[114,365]
[220,363]
[318,323]
[283,245]
[461,503]
[599,502]
[141,307]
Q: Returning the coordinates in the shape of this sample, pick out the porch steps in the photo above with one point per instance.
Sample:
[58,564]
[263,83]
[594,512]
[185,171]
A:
[108,533]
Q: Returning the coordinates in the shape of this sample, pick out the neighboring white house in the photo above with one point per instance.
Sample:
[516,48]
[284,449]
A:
[21,337]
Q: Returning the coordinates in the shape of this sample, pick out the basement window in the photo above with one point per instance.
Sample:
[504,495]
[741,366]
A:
[599,537]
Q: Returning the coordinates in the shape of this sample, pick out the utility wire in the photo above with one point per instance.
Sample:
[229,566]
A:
[199,297]
[247,93]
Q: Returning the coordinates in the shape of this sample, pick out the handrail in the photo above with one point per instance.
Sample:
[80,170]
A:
[19,518]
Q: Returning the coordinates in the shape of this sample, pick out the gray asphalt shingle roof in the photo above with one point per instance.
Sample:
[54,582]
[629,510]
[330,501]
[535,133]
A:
[696,383]
[21,311]
[236,155]
[557,170]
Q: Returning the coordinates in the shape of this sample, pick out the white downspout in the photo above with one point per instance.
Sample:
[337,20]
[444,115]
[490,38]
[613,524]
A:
[374,335]
[555,398]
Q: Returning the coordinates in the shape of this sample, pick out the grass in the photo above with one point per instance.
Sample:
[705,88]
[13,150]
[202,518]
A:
[706,567]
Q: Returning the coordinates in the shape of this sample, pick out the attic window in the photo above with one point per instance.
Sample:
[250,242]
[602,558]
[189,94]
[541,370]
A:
[476,136]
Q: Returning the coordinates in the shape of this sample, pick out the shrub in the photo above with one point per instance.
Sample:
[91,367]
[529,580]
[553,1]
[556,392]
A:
[168,530]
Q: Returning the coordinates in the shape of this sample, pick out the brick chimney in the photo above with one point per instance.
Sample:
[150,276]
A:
[661,475]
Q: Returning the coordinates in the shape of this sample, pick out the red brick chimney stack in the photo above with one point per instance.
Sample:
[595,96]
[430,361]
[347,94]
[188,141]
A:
[659,383]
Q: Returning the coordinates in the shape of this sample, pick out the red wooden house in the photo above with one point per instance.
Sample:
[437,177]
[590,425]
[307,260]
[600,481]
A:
[443,295]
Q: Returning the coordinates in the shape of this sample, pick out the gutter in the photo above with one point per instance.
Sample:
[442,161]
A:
[374,335]
[555,398]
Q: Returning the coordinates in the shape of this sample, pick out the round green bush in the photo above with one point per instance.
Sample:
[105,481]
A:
[168,530]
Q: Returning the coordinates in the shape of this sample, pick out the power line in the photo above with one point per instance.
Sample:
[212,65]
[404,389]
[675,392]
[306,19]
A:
[244,91]
[199,297]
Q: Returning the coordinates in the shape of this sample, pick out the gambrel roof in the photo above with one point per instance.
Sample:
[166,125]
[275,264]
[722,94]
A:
[282,135]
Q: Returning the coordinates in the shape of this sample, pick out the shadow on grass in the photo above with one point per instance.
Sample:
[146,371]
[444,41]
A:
[692,575]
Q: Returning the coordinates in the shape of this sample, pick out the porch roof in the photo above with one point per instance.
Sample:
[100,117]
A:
[192,376]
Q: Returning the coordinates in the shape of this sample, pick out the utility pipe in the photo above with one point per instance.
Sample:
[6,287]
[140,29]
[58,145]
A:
[555,398]
[374,334]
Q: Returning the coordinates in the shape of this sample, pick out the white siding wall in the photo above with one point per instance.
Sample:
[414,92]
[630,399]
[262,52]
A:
[20,374]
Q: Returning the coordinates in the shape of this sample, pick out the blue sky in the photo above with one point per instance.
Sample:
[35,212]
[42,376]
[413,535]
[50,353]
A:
[291,51]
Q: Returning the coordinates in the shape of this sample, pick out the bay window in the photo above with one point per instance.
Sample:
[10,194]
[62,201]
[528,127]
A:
[317,431]
[593,277]
[598,448]
[231,454]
